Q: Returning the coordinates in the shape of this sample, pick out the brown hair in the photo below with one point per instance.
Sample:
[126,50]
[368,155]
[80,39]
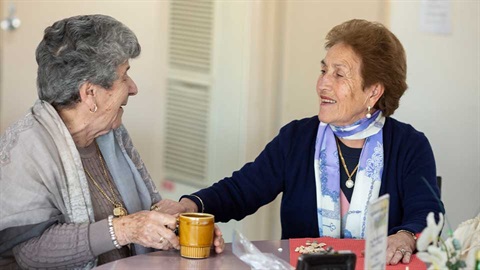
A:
[382,55]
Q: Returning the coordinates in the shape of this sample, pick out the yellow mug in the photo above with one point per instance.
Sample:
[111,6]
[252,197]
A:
[196,234]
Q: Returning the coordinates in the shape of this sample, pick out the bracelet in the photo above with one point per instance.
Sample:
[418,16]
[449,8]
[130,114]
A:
[112,232]
[410,233]
[201,202]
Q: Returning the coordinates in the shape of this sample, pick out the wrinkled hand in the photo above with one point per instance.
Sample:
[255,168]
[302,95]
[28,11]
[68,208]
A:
[173,207]
[187,205]
[400,247]
[147,228]
[218,241]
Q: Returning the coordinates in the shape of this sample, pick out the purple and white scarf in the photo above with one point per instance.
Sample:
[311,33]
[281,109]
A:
[367,181]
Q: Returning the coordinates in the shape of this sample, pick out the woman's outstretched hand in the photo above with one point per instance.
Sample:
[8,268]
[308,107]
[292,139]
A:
[173,207]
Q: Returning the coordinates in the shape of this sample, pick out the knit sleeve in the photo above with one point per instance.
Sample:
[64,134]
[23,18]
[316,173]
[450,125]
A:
[410,179]
[60,246]
[256,184]
[420,193]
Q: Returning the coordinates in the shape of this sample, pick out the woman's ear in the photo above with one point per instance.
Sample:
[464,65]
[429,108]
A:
[87,96]
[376,93]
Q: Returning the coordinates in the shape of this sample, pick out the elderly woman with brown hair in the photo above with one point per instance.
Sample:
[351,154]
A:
[74,191]
[329,167]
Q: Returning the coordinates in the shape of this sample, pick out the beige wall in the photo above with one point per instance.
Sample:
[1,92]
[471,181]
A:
[302,27]
[286,35]
[443,78]
[305,27]
[148,19]
[443,99]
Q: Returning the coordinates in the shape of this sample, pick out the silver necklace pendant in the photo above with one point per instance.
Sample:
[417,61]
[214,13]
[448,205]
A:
[349,183]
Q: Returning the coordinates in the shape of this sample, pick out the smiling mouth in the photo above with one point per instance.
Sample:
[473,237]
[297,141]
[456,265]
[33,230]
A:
[328,101]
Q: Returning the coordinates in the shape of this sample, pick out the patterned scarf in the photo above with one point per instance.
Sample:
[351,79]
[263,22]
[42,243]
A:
[367,181]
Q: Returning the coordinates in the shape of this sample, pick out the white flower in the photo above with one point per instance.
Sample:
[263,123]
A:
[435,256]
[468,233]
[430,233]
[449,245]
[457,252]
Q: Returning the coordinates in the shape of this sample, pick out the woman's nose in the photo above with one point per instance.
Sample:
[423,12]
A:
[132,88]
[323,81]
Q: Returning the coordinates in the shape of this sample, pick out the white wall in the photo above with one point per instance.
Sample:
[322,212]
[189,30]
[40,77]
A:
[443,98]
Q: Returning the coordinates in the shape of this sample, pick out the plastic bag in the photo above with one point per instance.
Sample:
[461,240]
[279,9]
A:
[249,254]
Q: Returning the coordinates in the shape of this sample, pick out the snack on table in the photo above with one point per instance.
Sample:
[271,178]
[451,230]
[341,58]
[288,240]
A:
[310,247]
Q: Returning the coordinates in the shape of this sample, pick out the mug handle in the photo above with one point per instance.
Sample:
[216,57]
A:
[176,231]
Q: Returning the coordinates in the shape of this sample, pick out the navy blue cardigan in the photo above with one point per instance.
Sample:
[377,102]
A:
[286,166]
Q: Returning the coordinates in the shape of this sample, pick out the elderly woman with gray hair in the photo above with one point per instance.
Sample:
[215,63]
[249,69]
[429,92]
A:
[75,192]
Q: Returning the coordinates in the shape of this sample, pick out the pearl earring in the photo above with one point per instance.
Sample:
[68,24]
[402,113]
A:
[94,109]
[369,115]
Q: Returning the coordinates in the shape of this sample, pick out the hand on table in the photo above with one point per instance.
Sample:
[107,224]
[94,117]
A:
[147,228]
[218,241]
[400,247]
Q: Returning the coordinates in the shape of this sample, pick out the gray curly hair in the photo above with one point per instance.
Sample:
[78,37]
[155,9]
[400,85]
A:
[80,49]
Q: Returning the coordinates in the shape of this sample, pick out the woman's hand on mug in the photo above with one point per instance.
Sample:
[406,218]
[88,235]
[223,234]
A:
[218,241]
[147,228]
